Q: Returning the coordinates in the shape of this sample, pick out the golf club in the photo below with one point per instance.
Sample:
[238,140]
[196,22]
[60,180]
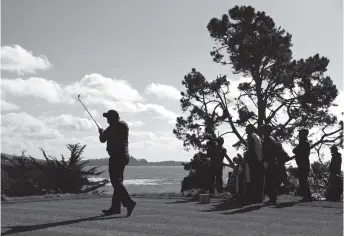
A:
[88,111]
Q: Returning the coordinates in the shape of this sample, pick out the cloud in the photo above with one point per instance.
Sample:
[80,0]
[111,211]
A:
[160,110]
[160,144]
[41,88]
[95,87]
[163,91]
[69,122]
[8,106]
[17,59]
[135,123]
[25,126]
[93,112]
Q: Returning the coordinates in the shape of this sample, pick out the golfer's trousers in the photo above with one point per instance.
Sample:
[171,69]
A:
[120,194]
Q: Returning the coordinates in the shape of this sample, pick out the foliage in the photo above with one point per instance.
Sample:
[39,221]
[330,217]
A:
[318,176]
[17,176]
[202,99]
[283,92]
[51,174]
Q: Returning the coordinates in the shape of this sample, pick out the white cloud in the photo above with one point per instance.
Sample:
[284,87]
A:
[162,145]
[96,86]
[69,122]
[41,88]
[94,90]
[160,110]
[17,59]
[8,106]
[135,123]
[93,112]
[163,91]
[24,126]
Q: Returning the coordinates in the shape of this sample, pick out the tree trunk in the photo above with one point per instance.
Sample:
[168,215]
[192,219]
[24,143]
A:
[261,103]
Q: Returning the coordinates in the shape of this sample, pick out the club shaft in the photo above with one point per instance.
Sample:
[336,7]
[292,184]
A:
[88,112]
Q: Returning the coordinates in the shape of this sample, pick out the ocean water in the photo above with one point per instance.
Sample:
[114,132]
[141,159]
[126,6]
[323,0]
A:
[150,179]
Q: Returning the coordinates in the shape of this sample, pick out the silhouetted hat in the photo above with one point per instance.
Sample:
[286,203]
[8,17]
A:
[111,114]
[334,148]
[221,140]
[304,131]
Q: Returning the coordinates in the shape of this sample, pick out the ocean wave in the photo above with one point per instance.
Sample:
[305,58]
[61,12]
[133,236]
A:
[146,182]
[141,182]
[95,179]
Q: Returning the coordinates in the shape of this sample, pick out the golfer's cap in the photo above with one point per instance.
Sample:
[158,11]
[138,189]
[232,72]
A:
[111,114]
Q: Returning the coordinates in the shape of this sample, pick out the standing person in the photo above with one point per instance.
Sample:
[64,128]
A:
[213,152]
[216,162]
[210,154]
[336,162]
[116,136]
[254,169]
[270,164]
[302,152]
[223,152]
[335,183]
[282,177]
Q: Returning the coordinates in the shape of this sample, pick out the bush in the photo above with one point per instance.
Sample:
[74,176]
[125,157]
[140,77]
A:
[17,176]
[28,176]
[318,177]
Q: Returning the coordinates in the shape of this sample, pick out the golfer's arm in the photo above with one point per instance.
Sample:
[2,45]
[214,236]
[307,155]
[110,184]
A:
[103,137]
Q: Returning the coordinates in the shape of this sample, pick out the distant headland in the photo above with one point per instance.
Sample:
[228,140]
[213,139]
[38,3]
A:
[132,162]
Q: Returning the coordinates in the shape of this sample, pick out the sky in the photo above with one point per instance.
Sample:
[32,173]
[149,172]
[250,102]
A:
[130,56]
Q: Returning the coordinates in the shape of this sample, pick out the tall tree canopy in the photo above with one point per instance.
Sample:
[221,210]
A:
[283,92]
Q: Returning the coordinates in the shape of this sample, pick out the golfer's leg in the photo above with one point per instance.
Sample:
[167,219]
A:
[116,204]
[123,195]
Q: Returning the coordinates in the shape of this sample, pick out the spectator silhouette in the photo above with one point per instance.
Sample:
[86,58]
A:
[335,181]
[302,152]
[254,169]
[270,164]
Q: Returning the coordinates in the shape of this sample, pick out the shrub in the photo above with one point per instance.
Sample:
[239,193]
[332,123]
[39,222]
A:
[29,176]
[318,177]
[18,176]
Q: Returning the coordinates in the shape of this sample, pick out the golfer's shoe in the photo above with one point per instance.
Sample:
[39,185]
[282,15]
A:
[130,208]
[110,212]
